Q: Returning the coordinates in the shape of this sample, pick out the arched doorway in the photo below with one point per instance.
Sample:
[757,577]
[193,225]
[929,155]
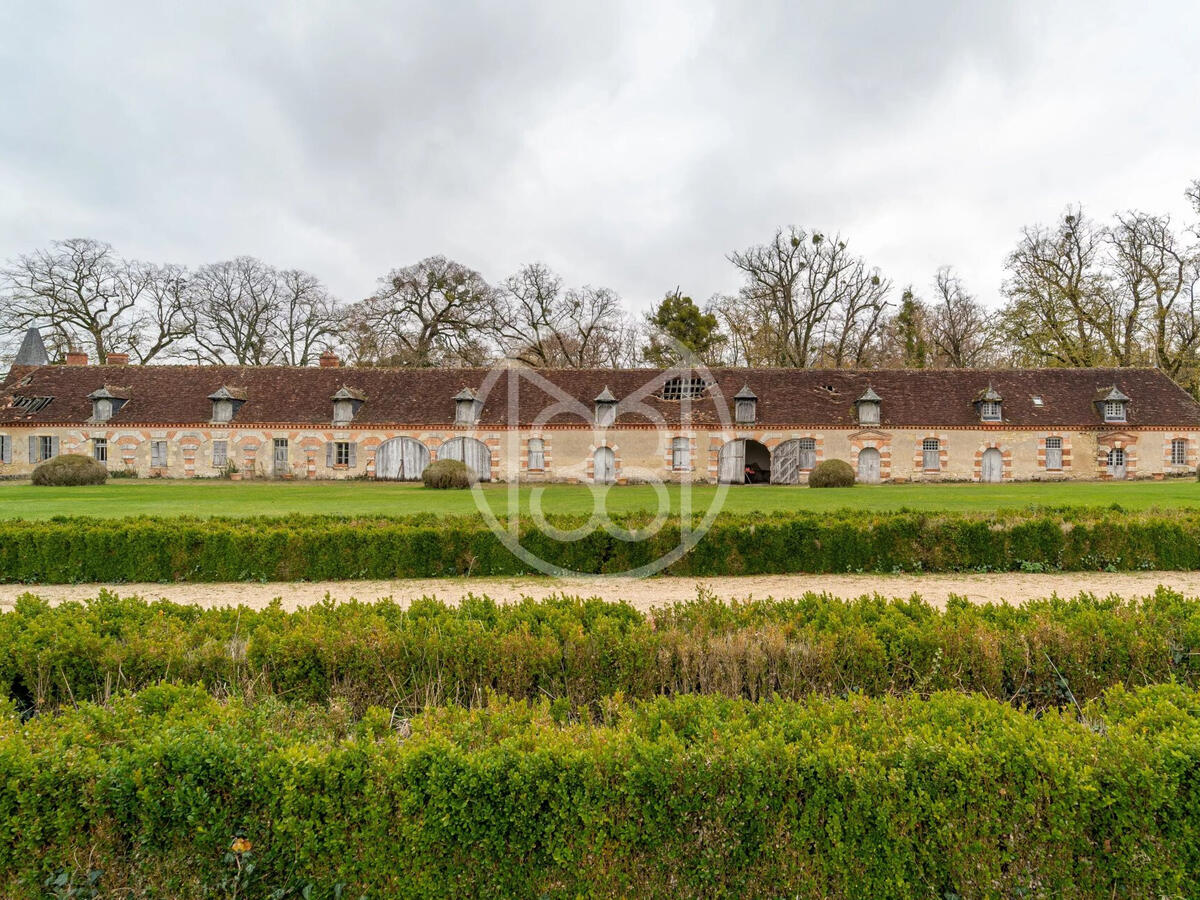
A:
[744,461]
[473,452]
[604,466]
[868,465]
[401,459]
[991,467]
[792,458]
[1116,462]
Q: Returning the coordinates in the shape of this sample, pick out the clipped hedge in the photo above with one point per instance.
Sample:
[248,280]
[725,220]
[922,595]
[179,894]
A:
[69,470]
[448,474]
[170,793]
[832,473]
[314,548]
[578,652]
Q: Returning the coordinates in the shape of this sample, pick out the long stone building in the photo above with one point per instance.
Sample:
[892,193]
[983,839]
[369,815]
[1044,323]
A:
[599,425]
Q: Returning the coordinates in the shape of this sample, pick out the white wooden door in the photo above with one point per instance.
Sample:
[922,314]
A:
[785,463]
[868,465]
[281,457]
[992,468]
[731,463]
[401,459]
[604,470]
[1116,462]
[474,453]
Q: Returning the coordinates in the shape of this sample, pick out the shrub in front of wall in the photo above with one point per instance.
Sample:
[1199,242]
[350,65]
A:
[448,474]
[70,470]
[831,473]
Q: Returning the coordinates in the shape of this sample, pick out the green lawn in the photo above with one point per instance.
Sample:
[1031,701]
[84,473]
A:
[248,498]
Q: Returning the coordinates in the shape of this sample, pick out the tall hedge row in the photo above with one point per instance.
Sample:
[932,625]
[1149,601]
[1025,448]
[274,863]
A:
[325,547]
[578,652]
[171,793]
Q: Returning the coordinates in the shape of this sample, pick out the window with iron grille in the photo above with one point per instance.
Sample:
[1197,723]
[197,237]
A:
[220,454]
[931,455]
[681,388]
[808,452]
[1179,450]
[1054,455]
[681,454]
[537,454]
[100,449]
[158,454]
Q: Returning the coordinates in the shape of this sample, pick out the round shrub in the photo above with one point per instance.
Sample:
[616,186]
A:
[70,469]
[831,473]
[447,474]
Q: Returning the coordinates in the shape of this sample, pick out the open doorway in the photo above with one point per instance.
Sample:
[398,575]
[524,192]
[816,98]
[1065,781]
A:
[744,461]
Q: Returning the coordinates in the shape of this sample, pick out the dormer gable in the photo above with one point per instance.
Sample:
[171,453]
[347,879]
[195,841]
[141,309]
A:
[988,403]
[866,407]
[466,407]
[106,401]
[346,403]
[606,409]
[1112,404]
[745,406]
[226,402]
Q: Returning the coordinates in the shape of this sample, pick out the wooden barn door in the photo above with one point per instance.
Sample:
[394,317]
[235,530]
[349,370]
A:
[785,463]
[868,466]
[731,463]
[604,466]
[992,468]
[401,459]
[474,453]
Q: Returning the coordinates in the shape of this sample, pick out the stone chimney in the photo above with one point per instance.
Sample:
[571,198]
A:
[329,360]
[76,358]
[117,359]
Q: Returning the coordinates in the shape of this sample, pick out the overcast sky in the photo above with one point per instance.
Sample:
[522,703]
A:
[631,145]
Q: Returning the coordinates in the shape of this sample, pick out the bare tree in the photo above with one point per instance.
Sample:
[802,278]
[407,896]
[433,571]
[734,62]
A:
[815,302]
[1193,195]
[960,328]
[435,312]
[306,319]
[232,306]
[80,289]
[162,320]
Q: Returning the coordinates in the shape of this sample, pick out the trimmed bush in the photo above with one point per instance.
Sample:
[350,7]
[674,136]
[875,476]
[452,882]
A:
[170,793]
[831,473]
[70,470]
[448,474]
[578,652]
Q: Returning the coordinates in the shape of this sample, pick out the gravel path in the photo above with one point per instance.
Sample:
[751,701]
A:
[642,593]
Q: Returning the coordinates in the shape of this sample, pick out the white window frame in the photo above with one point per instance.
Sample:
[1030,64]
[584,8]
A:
[807,455]
[341,453]
[991,411]
[158,454]
[220,454]
[45,447]
[536,452]
[931,446]
[1114,411]
[1054,454]
[1179,451]
[100,449]
[681,454]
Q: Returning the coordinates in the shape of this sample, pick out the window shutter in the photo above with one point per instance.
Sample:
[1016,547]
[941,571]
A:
[53,447]
[5,449]
[329,455]
[353,454]
[33,450]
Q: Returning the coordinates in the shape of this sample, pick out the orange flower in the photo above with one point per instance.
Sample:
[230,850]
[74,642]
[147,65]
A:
[241,845]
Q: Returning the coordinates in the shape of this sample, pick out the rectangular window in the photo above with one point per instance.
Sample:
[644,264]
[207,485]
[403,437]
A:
[5,449]
[808,452]
[1114,411]
[537,455]
[220,454]
[158,454]
[1179,450]
[100,449]
[1054,453]
[606,415]
[341,453]
[868,413]
[222,410]
[681,454]
[744,412]
[989,411]
[46,448]
[931,454]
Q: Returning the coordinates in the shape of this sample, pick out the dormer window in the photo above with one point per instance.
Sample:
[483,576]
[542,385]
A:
[226,402]
[106,401]
[745,406]
[345,405]
[989,406]
[606,409]
[868,407]
[683,388]
[466,408]
[1114,405]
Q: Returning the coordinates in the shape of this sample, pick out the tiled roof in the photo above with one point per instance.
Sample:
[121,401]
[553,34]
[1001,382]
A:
[815,397]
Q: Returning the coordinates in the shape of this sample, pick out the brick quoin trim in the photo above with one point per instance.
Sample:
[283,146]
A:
[943,454]
[1193,452]
[876,440]
[1066,451]
[1122,440]
[1005,458]
[590,469]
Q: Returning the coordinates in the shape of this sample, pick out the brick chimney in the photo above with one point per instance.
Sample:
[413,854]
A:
[117,359]
[76,358]
[329,360]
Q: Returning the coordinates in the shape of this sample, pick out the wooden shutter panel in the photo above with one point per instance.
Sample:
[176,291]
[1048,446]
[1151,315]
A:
[33,449]
[353,454]
[329,454]
[6,449]
[53,447]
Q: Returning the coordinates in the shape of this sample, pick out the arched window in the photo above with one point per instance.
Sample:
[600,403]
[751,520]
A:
[680,388]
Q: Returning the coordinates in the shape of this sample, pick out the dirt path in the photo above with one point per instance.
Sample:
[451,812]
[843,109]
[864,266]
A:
[642,593]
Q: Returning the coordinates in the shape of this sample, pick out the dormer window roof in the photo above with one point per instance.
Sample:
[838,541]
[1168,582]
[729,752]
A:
[989,405]
[466,407]
[606,396]
[869,396]
[606,409]
[108,392]
[106,401]
[226,402]
[867,407]
[745,406]
[346,403]
[224,392]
